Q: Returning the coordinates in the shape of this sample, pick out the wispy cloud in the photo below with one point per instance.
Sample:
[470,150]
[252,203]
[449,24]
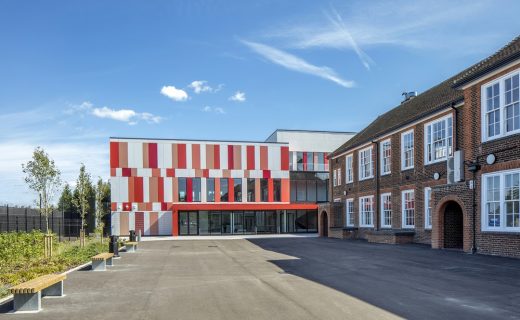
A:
[200,86]
[174,93]
[295,63]
[239,96]
[217,110]
[129,116]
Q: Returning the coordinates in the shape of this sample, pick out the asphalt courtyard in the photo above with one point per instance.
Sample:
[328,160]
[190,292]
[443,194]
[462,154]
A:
[289,278]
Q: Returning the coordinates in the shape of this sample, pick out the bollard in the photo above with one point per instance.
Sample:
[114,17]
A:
[113,246]
[132,236]
[139,235]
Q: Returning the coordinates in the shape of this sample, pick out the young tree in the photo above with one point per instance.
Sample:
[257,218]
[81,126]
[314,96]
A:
[102,196]
[42,176]
[83,190]
[66,200]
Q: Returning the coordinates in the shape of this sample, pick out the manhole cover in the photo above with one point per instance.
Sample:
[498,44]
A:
[212,246]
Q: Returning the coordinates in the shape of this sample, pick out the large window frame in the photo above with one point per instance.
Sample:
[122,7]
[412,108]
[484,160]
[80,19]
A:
[407,150]
[349,212]
[500,107]
[386,156]
[334,178]
[386,210]
[366,166]
[438,148]
[366,211]
[408,208]
[497,193]
[427,208]
[349,168]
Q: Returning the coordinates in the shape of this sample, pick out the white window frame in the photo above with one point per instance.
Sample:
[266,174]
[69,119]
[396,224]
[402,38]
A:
[349,212]
[502,202]
[349,168]
[370,163]
[427,208]
[501,108]
[405,225]
[339,177]
[383,196]
[427,142]
[362,212]
[403,167]
[334,178]
[382,145]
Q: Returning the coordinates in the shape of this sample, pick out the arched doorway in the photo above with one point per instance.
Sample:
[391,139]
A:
[324,224]
[453,226]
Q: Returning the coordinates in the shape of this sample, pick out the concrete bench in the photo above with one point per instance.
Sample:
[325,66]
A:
[28,295]
[101,261]
[131,246]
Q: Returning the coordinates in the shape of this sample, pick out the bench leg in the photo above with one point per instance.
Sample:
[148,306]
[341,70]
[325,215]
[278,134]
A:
[109,262]
[98,265]
[56,290]
[130,249]
[28,302]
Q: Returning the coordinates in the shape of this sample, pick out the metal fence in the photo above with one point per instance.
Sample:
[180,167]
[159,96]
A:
[27,219]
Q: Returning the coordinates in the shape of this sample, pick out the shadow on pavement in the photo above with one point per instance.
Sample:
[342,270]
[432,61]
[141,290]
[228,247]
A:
[412,281]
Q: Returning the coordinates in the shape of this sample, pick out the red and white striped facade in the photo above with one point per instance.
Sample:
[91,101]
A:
[145,173]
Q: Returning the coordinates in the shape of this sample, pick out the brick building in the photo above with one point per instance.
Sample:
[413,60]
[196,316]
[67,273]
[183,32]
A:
[442,168]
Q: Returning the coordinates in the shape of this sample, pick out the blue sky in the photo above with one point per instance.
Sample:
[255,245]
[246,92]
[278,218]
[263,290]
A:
[73,73]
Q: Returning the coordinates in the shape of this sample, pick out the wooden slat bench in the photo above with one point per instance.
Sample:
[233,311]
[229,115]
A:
[28,295]
[131,246]
[101,261]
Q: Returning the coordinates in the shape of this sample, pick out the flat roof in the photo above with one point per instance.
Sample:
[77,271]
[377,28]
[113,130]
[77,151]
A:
[196,140]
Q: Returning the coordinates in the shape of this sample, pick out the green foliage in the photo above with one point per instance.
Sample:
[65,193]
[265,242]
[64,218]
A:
[42,176]
[83,194]
[22,257]
[66,203]
[102,198]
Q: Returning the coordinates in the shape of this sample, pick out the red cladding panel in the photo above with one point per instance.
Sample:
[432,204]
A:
[189,190]
[251,158]
[175,222]
[181,149]
[231,190]
[152,155]
[230,157]
[270,190]
[170,172]
[139,222]
[127,172]
[216,155]
[138,189]
[305,161]
[266,174]
[285,158]
[114,154]
[160,189]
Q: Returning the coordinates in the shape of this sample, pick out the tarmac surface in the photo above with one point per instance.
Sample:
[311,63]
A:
[289,278]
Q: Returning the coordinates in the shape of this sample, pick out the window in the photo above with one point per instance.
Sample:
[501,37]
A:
[182,190]
[365,164]
[237,189]
[501,107]
[277,190]
[334,178]
[349,212]
[299,161]
[427,208]
[386,210]
[224,190]
[408,208]
[291,165]
[195,189]
[349,171]
[321,161]
[339,177]
[264,190]
[210,189]
[310,161]
[407,150]
[386,153]
[438,140]
[251,196]
[366,211]
[501,201]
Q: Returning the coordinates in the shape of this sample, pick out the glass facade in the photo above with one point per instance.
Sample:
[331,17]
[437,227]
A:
[264,190]
[309,187]
[182,190]
[277,190]
[224,190]
[195,185]
[247,222]
[237,189]
[251,195]
[210,189]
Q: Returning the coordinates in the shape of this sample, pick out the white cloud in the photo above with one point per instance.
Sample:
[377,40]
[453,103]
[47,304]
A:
[174,93]
[120,115]
[199,86]
[295,63]
[239,96]
[217,110]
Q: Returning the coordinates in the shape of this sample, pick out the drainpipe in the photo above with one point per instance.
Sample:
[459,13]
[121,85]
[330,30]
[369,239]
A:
[376,200]
[473,167]
[454,126]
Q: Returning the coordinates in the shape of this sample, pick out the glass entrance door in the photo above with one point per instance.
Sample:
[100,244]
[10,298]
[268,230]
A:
[188,223]
[226,223]
[249,222]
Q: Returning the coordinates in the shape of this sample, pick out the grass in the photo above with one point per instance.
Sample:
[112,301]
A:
[22,257]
